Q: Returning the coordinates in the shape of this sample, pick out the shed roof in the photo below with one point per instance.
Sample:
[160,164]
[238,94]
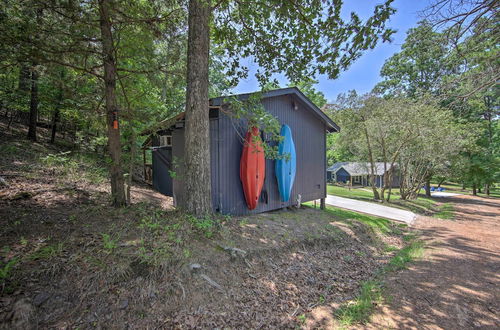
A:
[359,168]
[218,102]
[331,126]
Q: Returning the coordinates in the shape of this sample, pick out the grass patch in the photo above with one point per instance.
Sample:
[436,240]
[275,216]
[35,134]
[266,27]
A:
[380,224]
[360,309]
[372,293]
[355,193]
[403,257]
[47,252]
[445,211]
[6,269]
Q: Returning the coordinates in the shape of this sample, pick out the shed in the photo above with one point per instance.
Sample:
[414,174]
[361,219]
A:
[290,106]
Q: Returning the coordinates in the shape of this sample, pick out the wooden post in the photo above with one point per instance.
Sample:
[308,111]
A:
[322,204]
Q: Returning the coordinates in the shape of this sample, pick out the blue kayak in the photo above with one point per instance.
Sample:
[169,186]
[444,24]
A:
[286,167]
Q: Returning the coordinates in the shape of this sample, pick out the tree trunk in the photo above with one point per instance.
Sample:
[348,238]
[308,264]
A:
[487,189]
[474,191]
[389,182]
[33,103]
[198,200]
[441,182]
[428,187]
[114,146]
[376,196]
[55,116]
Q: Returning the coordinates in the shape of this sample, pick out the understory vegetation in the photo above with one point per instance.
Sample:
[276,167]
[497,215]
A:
[62,240]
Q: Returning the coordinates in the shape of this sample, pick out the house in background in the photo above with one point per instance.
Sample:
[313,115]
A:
[309,126]
[358,173]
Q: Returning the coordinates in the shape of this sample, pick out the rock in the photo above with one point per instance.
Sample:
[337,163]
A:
[23,315]
[234,252]
[3,183]
[40,298]
[194,267]
[211,282]
[91,318]
[123,304]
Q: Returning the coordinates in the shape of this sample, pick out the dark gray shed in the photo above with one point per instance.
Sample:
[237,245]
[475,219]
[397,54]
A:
[309,127]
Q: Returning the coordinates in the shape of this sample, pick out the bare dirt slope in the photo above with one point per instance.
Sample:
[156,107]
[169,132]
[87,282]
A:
[457,285]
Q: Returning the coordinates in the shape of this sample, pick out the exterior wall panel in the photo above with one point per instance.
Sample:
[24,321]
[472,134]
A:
[162,181]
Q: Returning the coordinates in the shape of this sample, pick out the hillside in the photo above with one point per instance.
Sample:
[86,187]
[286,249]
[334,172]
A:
[68,259]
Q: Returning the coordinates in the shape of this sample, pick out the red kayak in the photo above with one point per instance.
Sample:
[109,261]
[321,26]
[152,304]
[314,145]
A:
[252,167]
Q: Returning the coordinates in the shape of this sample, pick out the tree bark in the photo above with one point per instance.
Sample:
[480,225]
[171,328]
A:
[376,195]
[33,103]
[487,189]
[197,199]
[57,109]
[474,191]
[428,187]
[114,146]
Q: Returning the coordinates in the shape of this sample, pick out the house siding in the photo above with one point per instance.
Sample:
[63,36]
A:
[343,176]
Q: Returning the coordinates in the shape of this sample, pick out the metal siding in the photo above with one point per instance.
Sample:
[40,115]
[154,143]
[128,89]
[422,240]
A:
[162,181]
[226,144]
[309,138]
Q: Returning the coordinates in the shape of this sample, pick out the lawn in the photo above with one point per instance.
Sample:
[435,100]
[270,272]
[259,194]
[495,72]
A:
[457,188]
[422,205]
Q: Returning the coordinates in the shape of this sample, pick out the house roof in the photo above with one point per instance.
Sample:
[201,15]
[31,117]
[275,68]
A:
[359,168]
[219,101]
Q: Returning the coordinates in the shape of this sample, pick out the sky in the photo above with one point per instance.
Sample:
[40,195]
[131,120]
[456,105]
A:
[365,72]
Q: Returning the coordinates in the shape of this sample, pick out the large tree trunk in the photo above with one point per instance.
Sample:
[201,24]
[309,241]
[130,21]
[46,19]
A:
[33,104]
[114,146]
[198,199]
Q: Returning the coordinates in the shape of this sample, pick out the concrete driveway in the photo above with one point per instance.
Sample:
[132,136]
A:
[382,211]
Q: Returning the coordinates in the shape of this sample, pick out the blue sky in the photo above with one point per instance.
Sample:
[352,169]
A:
[365,72]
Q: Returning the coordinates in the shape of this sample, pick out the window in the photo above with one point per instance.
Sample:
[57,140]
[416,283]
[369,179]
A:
[356,179]
[165,140]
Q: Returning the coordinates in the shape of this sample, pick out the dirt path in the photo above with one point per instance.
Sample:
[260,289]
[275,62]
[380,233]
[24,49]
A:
[457,284]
